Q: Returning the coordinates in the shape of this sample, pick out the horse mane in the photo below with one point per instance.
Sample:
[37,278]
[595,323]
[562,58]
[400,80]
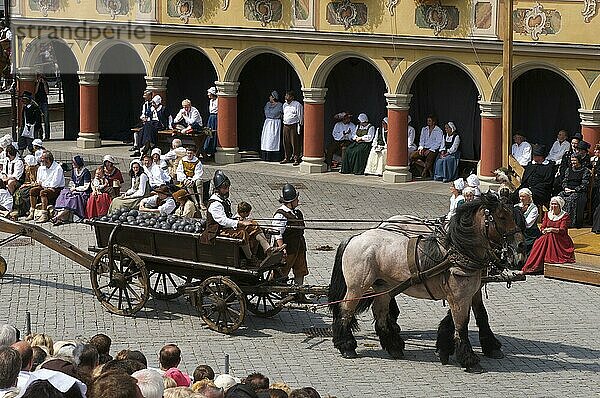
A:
[461,228]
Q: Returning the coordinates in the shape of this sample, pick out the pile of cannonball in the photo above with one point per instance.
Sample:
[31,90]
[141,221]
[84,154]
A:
[152,220]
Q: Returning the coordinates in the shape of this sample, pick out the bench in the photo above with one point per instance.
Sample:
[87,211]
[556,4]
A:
[165,137]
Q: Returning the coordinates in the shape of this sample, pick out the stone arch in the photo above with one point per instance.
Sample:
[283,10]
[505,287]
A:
[166,55]
[97,53]
[323,70]
[409,76]
[597,102]
[32,48]
[236,66]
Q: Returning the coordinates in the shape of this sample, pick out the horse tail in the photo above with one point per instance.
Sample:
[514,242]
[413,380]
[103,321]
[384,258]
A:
[338,287]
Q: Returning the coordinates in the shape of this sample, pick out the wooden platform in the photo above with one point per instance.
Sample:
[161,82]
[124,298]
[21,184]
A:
[587,254]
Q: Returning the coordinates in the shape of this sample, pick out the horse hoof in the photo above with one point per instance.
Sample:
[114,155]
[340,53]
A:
[349,354]
[495,354]
[444,358]
[477,369]
[396,354]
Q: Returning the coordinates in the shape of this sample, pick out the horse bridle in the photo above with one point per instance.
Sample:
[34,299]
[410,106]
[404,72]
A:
[500,251]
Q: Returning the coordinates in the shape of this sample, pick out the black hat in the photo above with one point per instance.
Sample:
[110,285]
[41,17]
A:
[583,145]
[288,194]
[27,95]
[539,150]
[220,178]
[577,135]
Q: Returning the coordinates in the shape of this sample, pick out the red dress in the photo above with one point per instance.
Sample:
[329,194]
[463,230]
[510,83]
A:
[556,248]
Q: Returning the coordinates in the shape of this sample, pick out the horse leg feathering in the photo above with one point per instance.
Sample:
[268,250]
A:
[445,339]
[463,349]
[490,346]
[385,312]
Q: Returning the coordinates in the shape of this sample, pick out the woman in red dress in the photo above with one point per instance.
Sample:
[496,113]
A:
[555,244]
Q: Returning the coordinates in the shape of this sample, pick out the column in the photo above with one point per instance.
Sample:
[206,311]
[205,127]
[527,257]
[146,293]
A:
[89,137]
[590,126]
[227,150]
[313,159]
[491,139]
[25,82]
[158,86]
[396,168]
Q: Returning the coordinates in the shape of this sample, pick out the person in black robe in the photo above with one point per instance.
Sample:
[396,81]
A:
[575,190]
[583,150]
[596,190]
[565,162]
[538,177]
[31,122]
[158,120]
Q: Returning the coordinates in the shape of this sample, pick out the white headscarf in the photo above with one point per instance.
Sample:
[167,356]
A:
[385,120]
[156,151]
[459,184]
[363,118]
[561,202]
[452,126]
[156,99]
[526,191]
[472,180]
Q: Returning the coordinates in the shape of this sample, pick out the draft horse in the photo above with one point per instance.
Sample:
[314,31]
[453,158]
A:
[481,233]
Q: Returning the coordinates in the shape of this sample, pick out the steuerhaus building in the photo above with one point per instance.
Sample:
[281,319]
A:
[381,57]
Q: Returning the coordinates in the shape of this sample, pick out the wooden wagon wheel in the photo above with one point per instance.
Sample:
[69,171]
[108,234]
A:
[222,304]
[264,304]
[163,285]
[3,266]
[120,281]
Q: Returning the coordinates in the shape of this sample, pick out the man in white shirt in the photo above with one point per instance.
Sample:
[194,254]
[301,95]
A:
[521,149]
[50,181]
[173,157]
[342,133]
[293,119]
[188,119]
[13,169]
[6,200]
[145,116]
[161,203]
[560,146]
[189,176]
[430,142]
[156,175]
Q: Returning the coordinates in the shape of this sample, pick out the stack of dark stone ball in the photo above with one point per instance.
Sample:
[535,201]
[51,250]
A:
[152,220]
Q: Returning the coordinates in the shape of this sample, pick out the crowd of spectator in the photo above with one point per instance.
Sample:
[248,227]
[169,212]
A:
[38,367]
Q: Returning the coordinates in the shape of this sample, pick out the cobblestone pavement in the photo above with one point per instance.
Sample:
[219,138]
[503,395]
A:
[549,329]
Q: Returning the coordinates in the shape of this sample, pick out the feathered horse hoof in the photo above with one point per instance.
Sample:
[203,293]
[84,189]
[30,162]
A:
[396,354]
[495,354]
[444,358]
[477,369]
[349,354]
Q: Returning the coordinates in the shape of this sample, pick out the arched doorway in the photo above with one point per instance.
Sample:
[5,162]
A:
[120,90]
[448,92]
[190,74]
[259,77]
[355,86]
[544,102]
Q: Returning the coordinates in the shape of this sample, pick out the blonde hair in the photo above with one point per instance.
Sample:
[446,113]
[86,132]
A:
[199,385]
[179,392]
[169,382]
[281,386]
[43,340]
[186,102]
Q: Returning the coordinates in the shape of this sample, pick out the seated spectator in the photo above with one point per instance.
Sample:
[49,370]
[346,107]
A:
[456,199]
[50,181]
[115,384]
[38,149]
[44,341]
[25,376]
[99,201]
[150,383]
[42,389]
[158,160]
[189,176]
[226,381]
[21,196]
[583,150]
[565,162]
[357,153]
[161,202]
[157,119]
[170,358]
[188,119]
[530,212]
[203,372]
[412,147]
[555,245]
[113,175]
[10,366]
[6,200]
[539,177]
[173,157]
[258,382]
[468,194]
[342,137]
[133,355]
[72,200]
[560,146]
[449,155]
[378,155]
[156,175]
[473,182]
[430,142]
[102,343]
[521,149]
[86,358]
[575,190]
[140,188]
[13,173]
[185,207]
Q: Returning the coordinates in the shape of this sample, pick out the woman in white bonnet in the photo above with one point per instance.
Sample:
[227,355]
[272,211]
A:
[411,138]
[473,182]
[530,213]
[270,139]
[447,162]
[456,199]
[378,155]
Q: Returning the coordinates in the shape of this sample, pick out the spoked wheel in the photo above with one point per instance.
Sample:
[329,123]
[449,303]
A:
[222,304]
[264,304]
[120,283]
[3,267]
[163,285]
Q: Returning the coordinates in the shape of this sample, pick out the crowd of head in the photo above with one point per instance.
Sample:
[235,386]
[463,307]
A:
[38,367]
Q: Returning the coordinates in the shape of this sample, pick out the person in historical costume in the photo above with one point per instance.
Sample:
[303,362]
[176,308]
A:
[289,223]
[156,175]
[555,245]
[158,120]
[430,142]
[49,182]
[521,149]
[595,209]
[13,169]
[378,155]
[173,157]
[411,135]
[583,150]
[530,212]
[113,175]
[41,92]
[270,138]
[72,200]
[468,194]
[342,137]
[31,120]
[140,188]
[6,200]
[188,119]
[293,119]
[38,149]
[189,176]
[449,156]
[99,201]
[220,220]
[161,202]
[457,198]
[559,147]
[210,144]
[145,115]
[474,183]
[575,190]
[356,155]
[21,195]
[185,207]
[565,162]
[538,177]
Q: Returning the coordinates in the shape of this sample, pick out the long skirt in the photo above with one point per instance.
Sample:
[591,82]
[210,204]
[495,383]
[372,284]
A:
[596,220]
[97,205]
[376,162]
[575,205]
[355,158]
[445,168]
[124,203]
[531,234]
[270,140]
[72,200]
[210,145]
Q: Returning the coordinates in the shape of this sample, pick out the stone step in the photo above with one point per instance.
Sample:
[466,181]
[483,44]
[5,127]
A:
[586,270]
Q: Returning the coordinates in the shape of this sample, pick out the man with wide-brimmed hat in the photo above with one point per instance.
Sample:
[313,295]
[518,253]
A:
[160,202]
[521,149]
[538,177]
[31,121]
[185,207]
[289,222]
